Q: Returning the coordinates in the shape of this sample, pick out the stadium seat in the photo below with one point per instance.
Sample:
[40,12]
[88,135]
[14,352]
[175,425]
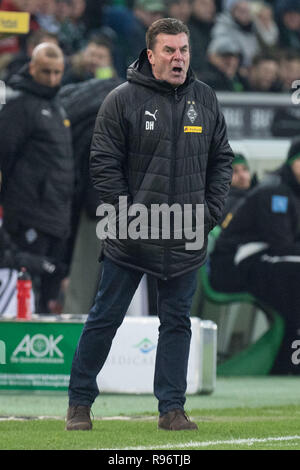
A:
[258,357]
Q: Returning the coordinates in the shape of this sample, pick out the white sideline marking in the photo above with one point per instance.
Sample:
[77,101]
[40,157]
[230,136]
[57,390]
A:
[28,418]
[104,418]
[185,445]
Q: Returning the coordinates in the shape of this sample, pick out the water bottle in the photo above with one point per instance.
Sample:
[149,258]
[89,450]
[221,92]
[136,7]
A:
[24,288]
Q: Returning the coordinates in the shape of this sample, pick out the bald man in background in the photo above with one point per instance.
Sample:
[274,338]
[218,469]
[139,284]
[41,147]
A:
[37,168]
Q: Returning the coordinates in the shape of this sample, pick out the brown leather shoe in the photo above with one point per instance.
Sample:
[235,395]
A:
[78,418]
[176,420]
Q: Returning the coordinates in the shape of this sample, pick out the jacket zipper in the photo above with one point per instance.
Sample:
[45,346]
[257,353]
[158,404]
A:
[172,173]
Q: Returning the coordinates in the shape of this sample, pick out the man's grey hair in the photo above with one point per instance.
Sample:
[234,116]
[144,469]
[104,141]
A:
[165,26]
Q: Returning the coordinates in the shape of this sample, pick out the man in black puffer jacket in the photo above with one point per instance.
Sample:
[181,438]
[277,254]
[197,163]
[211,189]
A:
[36,162]
[160,138]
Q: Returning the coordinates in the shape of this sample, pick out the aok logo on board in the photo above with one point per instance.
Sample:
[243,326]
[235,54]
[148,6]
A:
[38,349]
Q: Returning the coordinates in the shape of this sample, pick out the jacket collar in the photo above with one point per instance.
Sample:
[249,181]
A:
[140,72]
[23,81]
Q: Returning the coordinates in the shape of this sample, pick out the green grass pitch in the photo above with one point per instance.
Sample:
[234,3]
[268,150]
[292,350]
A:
[242,413]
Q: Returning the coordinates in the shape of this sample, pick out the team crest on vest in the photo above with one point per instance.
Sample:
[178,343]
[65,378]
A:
[192,113]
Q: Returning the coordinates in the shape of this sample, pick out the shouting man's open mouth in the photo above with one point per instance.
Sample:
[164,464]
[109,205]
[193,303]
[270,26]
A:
[177,70]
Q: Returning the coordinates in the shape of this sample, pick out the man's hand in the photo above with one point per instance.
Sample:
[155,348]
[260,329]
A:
[35,264]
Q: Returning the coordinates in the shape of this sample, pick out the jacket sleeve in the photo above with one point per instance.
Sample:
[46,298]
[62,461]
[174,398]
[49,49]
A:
[15,128]
[108,156]
[219,168]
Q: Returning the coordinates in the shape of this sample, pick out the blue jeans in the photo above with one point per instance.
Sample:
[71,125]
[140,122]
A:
[117,287]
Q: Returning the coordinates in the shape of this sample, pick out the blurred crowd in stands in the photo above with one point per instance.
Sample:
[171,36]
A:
[237,45]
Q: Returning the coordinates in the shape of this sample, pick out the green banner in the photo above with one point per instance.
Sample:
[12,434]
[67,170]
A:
[37,355]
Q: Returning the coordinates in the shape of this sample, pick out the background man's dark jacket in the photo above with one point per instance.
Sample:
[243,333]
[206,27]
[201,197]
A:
[218,80]
[81,103]
[162,165]
[235,197]
[270,214]
[36,158]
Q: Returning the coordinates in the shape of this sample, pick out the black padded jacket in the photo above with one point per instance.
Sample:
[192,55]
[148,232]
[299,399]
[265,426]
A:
[155,145]
[36,158]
